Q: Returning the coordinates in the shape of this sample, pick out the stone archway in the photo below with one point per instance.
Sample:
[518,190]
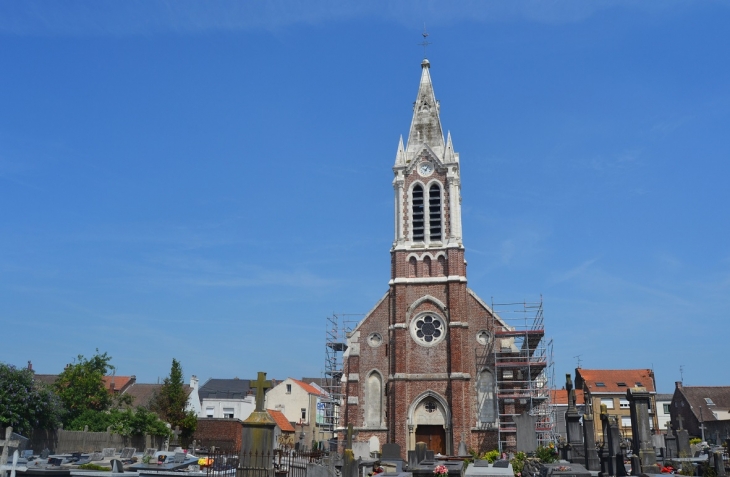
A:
[429,421]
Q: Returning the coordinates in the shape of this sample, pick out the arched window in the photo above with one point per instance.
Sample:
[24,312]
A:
[442,266]
[485,394]
[373,400]
[434,212]
[412,267]
[426,266]
[417,213]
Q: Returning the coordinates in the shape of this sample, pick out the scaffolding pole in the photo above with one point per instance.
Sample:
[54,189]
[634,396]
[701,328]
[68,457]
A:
[523,361]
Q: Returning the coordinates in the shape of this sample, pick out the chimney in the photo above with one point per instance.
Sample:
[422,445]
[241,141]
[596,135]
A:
[678,384]
[30,366]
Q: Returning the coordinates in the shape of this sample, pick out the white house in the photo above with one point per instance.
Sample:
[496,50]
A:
[297,401]
[226,398]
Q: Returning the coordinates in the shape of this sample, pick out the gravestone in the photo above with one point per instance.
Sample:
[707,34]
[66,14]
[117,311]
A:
[670,444]
[591,460]
[117,466]
[150,451]
[175,442]
[683,447]
[412,459]
[421,449]
[96,456]
[7,443]
[640,405]
[719,464]
[482,468]
[108,452]
[13,467]
[258,433]
[392,455]
[526,435]
[45,453]
[127,453]
[463,452]
[611,439]
[572,425]
[361,450]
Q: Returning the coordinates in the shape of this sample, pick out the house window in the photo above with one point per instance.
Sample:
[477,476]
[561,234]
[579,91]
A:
[621,384]
[228,412]
[623,404]
[304,414]
[288,388]
[434,212]
[417,204]
[625,421]
[608,403]
[638,383]
[709,402]
[599,384]
[666,408]
[208,412]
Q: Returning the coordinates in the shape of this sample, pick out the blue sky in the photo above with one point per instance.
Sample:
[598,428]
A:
[209,180]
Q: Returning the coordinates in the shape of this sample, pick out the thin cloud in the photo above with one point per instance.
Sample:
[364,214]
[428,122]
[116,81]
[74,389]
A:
[572,273]
[136,17]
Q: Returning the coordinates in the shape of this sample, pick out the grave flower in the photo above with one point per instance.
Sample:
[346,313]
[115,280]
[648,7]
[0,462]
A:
[441,471]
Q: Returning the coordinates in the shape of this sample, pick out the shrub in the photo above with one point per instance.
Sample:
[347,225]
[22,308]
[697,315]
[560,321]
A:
[547,454]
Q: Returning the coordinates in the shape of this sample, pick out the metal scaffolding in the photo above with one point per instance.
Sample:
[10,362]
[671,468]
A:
[523,361]
[337,328]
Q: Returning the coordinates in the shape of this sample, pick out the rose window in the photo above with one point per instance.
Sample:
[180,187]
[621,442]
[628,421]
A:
[428,329]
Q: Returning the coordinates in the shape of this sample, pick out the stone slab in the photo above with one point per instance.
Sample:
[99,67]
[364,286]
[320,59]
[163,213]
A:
[490,471]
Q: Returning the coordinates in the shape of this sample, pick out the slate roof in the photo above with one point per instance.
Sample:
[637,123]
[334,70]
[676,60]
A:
[225,389]
[309,388]
[718,395]
[281,421]
[560,397]
[615,381]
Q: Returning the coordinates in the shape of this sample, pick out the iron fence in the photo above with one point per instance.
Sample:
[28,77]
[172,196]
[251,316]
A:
[277,463]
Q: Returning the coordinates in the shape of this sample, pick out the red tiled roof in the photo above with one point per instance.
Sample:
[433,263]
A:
[118,382]
[309,388]
[611,378]
[560,397]
[281,421]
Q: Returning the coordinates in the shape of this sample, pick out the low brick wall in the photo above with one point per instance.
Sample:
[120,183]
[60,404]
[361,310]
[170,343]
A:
[61,441]
[222,433]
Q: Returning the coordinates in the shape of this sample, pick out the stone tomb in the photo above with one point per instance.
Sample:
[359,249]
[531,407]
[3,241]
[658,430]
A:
[391,459]
[564,470]
[482,468]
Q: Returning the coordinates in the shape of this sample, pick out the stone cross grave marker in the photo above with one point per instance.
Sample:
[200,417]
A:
[13,467]
[7,443]
[261,385]
[176,436]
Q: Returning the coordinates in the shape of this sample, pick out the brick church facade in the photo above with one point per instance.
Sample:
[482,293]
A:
[420,366]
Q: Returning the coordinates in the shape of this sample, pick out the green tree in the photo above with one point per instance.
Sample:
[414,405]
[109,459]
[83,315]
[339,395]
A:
[80,386]
[126,422]
[171,401]
[24,403]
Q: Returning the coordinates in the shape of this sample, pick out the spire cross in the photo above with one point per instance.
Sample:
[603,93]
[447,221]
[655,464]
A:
[261,385]
[424,43]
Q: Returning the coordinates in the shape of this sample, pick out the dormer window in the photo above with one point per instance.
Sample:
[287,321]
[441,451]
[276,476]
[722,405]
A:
[434,212]
[418,213]
[709,402]
[599,384]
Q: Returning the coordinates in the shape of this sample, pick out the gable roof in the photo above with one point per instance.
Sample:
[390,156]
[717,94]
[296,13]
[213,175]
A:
[615,381]
[281,421]
[696,397]
[560,397]
[309,388]
[225,389]
[118,383]
[143,394]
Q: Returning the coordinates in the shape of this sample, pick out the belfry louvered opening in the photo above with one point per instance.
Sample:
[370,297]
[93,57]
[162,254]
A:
[434,212]
[418,213]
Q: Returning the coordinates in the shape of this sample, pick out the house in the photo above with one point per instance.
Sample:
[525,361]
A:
[226,398]
[608,387]
[143,394]
[284,433]
[702,406]
[298,401]
[559,404]
[663,403]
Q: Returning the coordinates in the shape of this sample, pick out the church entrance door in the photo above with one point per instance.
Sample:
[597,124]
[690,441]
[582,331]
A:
[433,436]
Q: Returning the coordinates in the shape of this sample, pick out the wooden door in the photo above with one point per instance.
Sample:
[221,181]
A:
[434,437]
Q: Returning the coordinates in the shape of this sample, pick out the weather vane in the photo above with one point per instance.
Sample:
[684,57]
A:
[424,43]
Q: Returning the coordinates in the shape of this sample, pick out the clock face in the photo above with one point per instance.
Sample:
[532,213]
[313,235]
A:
[425,169]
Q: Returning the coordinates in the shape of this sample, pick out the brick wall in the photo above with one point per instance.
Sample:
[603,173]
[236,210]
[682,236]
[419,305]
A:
[222,433]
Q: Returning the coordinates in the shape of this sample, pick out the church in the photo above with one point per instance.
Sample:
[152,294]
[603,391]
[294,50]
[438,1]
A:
[422,365]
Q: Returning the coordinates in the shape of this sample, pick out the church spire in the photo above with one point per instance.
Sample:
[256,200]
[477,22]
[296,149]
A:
[426,124]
